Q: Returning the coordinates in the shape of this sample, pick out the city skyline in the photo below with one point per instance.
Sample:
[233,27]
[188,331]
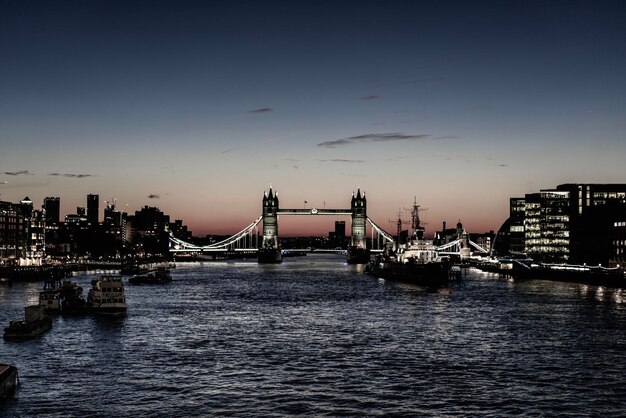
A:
[198,108]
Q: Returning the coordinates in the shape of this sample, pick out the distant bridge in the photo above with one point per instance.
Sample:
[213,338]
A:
[249,240]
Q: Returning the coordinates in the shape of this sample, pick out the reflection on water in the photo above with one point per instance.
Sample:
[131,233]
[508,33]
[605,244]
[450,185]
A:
[314,335]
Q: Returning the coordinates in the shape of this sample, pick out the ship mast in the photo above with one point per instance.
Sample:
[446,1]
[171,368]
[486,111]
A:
[418,230]
[398,223]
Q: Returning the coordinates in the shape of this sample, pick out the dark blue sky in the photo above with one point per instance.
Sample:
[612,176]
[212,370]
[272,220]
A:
[468,102]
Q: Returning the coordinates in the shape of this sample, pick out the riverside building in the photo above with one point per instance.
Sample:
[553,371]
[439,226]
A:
[93,209]
[572,223]
[22,238]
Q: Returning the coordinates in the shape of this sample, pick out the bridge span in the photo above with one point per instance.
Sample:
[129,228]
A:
[264,240]
[315,211]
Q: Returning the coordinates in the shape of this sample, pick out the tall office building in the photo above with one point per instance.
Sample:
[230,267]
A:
[93,207]
[516,228]
[340,229]
[112,216]
[12,232]
[595,211]
[52,206]
[573,223]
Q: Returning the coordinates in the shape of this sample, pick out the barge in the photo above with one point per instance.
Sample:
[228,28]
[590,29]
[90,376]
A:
[35,322]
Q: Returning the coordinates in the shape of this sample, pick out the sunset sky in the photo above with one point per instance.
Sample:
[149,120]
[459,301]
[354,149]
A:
[198,107]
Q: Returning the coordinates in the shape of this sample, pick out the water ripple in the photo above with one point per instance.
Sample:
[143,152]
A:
[315,336]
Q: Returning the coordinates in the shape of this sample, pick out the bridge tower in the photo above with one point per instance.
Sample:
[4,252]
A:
[465,251]
[358,252]
[270,252]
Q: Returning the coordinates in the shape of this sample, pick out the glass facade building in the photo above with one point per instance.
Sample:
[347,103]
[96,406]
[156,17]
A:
[573,223]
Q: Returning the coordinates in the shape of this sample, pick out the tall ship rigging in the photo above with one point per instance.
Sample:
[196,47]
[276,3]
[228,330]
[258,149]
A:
[415,261]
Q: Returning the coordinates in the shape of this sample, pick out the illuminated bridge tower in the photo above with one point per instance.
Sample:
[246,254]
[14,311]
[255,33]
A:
[270,251]
[358,252]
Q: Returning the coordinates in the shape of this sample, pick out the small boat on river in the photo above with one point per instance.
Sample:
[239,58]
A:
[106,296]
[8,380]
[159,276]
[35,322]
[50,296]
[72,301]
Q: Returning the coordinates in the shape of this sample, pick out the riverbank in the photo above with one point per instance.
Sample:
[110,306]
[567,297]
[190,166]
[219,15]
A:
[46,271]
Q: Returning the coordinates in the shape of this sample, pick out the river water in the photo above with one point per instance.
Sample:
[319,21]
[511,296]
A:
[316,336]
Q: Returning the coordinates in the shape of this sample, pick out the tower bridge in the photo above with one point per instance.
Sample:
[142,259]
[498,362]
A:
[266,246]
[269,251]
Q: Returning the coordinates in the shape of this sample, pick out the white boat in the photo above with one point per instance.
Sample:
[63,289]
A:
[49,298]
[106,296]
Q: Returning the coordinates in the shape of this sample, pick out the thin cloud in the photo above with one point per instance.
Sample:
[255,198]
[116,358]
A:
[373,97]
[229,150]
[72,175]
[404,157]
[18,173]
[342,160]
[385,137]
[503,165]
[261,110]
[153,196]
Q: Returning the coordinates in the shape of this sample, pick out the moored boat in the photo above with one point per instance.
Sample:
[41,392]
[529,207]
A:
[528,269]
[72,301]
[591,275]
[34,323]
[133,268]
[429,274]
[158,276]
[416,261]
[8,380]
[50,296]
[106,296]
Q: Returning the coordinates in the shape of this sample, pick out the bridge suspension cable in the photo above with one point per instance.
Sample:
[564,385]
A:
[222,245]
[456,245]
[453,244]
[478,247]
[380,231]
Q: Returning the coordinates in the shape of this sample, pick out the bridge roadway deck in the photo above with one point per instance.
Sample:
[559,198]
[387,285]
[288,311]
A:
[254,250]
[314,211]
